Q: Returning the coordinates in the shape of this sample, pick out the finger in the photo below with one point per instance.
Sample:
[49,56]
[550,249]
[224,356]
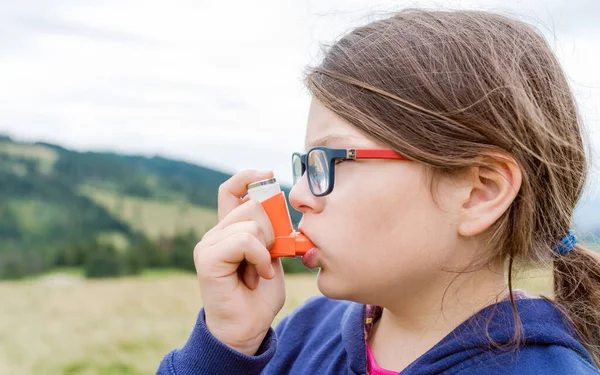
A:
[247,226]
[243,246]
[251,277]
[249,211]
[235,187]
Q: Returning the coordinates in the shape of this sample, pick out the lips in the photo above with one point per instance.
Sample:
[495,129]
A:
[309,259]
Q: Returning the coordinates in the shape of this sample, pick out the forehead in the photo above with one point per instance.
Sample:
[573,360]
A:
[325,128]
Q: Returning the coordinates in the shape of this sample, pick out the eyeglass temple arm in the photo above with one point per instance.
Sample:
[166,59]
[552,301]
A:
[372,154]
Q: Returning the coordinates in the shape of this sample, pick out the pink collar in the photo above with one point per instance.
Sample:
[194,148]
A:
[373,369]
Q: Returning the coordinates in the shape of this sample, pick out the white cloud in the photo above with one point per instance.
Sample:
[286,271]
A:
[212,82]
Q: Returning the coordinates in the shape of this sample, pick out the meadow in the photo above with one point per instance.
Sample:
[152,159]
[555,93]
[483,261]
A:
[61,323]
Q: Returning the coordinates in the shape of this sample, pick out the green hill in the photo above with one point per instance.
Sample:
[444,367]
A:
[155,218]
[56,205]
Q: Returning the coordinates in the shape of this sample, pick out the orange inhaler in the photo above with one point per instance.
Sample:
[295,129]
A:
[288,243]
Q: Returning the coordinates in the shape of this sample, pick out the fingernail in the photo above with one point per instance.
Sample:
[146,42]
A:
[272,271]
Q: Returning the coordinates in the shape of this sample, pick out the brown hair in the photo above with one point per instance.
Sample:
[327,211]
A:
[445,88]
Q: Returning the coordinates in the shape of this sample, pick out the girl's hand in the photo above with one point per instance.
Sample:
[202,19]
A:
[241,287]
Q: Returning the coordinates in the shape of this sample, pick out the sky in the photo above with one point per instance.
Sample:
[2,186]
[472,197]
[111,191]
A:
[217,83]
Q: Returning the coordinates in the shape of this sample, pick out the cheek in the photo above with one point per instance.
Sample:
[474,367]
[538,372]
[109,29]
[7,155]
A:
[396,223]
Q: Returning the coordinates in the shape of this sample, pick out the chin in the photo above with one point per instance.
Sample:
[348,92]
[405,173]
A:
[335,288]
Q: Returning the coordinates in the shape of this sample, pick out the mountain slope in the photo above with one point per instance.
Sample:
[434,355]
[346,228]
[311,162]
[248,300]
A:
[52,199]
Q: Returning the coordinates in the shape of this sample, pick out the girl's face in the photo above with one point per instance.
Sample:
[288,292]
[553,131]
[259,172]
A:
[379,233]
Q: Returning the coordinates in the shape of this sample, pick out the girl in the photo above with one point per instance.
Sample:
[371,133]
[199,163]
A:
[476,165]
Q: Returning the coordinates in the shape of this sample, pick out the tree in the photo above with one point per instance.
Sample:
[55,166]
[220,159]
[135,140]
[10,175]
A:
[154,255]
[182,255]
[71,255]
[135,260]
[12,265]
[103,261]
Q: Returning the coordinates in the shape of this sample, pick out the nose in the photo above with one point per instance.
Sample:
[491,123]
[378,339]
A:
[302,199]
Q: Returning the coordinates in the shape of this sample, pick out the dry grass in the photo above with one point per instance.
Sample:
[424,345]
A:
[62,324]
[155,218]
[66,325]
[536,281]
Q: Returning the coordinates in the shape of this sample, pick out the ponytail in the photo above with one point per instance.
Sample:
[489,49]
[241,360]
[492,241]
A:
[577,290]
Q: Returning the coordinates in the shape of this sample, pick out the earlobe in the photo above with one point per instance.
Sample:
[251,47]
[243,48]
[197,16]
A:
[491,192]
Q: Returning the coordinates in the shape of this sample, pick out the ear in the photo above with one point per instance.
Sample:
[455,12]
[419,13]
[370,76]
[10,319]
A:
[490,192]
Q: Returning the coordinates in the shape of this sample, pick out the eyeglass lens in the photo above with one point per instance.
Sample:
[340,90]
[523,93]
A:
[318,171]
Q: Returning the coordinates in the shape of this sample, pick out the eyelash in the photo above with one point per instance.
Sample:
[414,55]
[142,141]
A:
[339,161]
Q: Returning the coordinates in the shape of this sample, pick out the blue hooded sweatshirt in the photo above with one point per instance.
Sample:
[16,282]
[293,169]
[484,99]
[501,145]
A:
[325,336]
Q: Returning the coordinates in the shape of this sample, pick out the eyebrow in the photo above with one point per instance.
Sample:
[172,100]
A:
[328,140]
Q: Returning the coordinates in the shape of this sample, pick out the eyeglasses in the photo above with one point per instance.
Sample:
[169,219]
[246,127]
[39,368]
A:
[321,162]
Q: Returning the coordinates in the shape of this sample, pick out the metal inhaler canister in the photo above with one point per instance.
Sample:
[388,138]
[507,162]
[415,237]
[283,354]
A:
[288,243]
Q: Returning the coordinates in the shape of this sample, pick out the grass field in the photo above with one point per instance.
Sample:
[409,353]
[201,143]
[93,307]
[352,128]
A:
[153,217]
[61,323]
